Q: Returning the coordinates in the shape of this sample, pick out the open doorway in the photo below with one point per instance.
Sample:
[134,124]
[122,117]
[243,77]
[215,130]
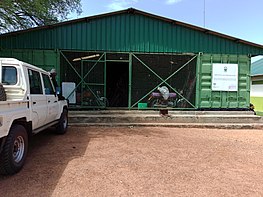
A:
[117,84]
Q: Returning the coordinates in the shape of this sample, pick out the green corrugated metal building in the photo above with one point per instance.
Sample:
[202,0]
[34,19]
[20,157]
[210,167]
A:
[124,56]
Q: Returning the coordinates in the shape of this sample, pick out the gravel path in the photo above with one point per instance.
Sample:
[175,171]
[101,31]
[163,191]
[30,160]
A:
[141,161]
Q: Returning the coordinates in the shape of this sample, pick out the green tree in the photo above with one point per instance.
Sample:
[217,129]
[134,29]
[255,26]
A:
[24,14]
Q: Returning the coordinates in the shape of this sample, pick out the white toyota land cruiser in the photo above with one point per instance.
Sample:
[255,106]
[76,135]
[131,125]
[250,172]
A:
[28,105]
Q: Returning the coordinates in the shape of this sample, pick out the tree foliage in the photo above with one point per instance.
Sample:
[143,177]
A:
[23,14]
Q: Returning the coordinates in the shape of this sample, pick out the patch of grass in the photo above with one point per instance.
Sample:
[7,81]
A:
[259,113]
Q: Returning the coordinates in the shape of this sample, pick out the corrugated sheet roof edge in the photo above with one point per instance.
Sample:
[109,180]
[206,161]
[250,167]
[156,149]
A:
[135,11]
[257,68]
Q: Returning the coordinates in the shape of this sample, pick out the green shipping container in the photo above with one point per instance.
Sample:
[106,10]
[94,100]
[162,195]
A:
[207,97]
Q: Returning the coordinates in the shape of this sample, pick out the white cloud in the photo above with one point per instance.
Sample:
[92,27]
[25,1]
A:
[172,1]
[121,4]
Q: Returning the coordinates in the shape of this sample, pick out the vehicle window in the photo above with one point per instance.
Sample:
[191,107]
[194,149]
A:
[47,84]
[35,82]
[9,75]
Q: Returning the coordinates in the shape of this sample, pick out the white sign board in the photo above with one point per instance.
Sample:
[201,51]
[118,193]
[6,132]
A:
[225,77]
[68,88]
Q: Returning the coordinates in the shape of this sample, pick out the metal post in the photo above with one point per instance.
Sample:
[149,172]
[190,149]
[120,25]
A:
[130,80]
[82,84]
[198,78]
[105,76]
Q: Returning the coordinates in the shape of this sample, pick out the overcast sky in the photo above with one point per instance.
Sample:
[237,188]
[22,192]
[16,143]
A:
[238,18]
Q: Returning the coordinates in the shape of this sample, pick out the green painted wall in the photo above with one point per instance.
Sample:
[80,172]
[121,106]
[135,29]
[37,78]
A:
[206,98]
[46,59]
[125,32]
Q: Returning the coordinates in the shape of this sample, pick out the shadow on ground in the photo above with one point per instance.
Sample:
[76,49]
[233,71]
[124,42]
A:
[48,157]
[49,154]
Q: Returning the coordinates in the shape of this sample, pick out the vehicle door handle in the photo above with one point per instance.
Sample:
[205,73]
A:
[34,103]
[48,101]
[55,101]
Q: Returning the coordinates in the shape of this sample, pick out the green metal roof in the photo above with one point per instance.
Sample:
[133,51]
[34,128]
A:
[128,30]
[257,67]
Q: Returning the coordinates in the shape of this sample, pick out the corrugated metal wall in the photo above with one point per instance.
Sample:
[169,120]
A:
[46,59]
[206,98]
[126,33]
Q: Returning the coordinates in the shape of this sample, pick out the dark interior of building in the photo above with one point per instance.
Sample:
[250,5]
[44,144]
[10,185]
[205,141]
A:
[117,84]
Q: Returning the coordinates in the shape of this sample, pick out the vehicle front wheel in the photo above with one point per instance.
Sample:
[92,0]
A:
[13,155]
[63,123]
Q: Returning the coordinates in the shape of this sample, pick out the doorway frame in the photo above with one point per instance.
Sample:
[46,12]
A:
[126,64]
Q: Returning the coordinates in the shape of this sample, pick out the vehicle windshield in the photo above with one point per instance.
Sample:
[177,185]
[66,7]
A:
[9,75]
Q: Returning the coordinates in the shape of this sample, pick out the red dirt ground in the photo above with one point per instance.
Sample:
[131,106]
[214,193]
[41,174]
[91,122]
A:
[141,161]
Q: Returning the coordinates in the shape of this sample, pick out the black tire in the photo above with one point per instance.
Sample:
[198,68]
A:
[63,123]
[14,152]
[153,103]
[2,93]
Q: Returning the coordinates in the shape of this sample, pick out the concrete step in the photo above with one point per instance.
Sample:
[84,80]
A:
[138,117]
[177,125]
[192,112]
[157,112]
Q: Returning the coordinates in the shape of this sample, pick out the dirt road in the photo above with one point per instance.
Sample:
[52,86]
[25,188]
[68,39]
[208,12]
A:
[141,161]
